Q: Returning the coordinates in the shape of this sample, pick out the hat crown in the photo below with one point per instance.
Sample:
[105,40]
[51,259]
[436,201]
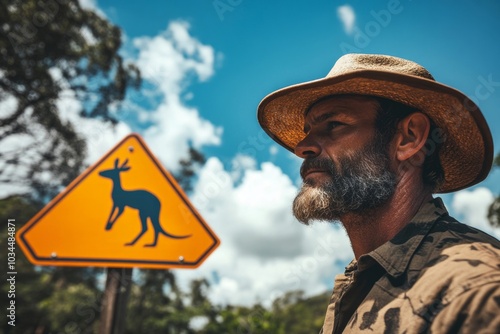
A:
[369,62]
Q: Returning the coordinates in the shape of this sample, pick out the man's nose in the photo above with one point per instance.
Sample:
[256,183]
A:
[307,148]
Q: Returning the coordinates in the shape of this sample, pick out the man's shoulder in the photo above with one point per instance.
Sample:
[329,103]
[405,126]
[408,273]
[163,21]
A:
[466,261]
[461,281]
[454,260]
[459,256]
[448,232]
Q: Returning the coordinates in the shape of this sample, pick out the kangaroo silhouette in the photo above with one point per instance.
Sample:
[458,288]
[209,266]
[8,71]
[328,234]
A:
[145,202]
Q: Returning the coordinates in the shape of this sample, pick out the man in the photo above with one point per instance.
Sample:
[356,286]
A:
[379,136]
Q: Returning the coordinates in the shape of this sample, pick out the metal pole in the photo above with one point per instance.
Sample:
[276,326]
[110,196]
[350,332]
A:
[114,300]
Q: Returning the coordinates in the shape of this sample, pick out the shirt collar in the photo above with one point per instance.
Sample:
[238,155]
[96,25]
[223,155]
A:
[395,255]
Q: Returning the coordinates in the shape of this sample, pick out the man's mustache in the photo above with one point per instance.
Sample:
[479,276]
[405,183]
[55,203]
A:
[319,164]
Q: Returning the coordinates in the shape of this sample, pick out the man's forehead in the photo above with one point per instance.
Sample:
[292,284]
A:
[342,101]
[343,104]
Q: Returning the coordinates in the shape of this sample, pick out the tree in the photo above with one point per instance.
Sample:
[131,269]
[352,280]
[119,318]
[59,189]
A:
[188,169]
[26,294]
[50,48]
[291,313]
[153,299]
[300,315]
[494,210]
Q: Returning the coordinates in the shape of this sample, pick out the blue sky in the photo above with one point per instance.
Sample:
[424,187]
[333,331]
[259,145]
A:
[206,66]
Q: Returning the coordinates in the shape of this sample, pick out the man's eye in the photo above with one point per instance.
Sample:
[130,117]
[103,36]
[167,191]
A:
[332,125]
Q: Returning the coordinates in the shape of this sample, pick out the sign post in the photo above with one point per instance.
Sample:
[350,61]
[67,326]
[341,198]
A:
[114,303]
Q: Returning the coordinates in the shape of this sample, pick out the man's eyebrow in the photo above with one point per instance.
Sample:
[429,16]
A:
[318,119]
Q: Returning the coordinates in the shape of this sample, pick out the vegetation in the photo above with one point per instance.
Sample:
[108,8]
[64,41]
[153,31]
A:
[494,210]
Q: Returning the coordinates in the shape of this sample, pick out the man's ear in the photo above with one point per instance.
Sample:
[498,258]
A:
[411,136]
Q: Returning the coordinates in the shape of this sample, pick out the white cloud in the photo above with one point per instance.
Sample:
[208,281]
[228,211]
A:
[472,207]
[273,149]
[171,61]
[348,18]
[10,146]
[100,137]
[241,163]
[8,105]
[198,322]
[264,251]
[88,36]
[91,5]
[8,189]
[88,4]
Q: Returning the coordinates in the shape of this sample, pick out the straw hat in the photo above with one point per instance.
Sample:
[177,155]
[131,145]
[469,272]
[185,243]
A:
[466,154]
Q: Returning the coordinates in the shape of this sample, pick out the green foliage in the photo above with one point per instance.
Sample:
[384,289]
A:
[47,298]
[150,308]
[46,48]
[255,320]
[30,285]
[188,169]
[291,313]
[66,308]
[494,213]
[494,209]
[496,161]
[300,315]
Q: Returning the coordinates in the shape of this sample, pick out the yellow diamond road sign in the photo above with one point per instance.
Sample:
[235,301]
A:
[124,211]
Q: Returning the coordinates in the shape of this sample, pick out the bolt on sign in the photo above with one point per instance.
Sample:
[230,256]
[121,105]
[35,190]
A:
[124,211]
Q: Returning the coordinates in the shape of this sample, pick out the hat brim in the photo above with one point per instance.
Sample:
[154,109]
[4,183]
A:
[466,154]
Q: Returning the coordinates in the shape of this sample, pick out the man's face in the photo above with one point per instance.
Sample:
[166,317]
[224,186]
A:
[347,167]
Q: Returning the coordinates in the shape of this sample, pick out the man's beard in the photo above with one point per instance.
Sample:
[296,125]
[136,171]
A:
[362,182]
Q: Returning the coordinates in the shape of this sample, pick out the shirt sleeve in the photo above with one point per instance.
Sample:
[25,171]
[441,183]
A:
[474,311]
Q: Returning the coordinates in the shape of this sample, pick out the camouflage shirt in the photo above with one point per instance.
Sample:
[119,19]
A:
[435,276]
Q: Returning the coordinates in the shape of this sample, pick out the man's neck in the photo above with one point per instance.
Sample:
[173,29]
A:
[371,229]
